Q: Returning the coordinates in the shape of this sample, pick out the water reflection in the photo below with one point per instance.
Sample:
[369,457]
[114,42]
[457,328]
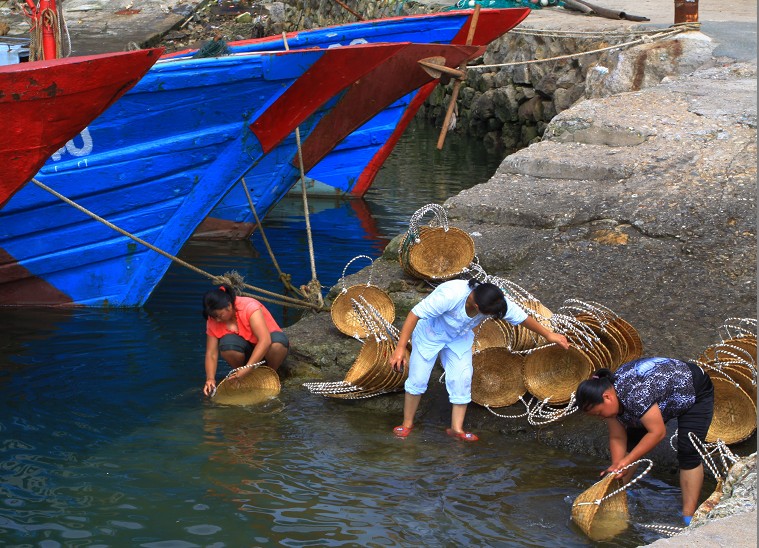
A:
[106,439]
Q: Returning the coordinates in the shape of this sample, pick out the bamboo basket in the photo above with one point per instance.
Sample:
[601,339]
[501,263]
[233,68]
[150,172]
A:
[343,312]
[601,518]
[734,417]
[497,377]
[437,252]
[259,385]
[554,373]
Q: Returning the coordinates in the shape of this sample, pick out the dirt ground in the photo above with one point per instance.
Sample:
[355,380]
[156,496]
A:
[221,20]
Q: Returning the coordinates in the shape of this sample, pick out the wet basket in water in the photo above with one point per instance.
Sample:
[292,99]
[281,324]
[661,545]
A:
[258,385]
[601,518]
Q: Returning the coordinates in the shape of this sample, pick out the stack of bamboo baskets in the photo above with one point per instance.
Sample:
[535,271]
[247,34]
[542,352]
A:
[511,361]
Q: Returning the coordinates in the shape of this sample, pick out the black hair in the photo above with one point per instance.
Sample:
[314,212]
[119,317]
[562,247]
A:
[489,298]
[217,299]
[591,392]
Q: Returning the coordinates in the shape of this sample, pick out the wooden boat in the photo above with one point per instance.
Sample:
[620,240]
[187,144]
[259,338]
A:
[352,165]
[43,104]
[157,161]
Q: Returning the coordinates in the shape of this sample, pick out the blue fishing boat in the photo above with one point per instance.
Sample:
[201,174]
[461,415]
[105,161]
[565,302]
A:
[351,166]
[155,163]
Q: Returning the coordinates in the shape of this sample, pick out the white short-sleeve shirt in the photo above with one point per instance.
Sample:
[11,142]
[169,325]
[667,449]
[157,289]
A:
[443,320]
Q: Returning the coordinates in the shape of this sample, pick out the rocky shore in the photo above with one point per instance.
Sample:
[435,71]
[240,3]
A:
[644,201]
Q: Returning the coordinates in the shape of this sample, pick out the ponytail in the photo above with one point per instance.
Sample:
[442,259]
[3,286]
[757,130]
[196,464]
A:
[218,299]
[489,298]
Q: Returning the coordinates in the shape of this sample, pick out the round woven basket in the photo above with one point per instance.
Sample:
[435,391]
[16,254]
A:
[258,385]
[492,333]
[552,372]
[344,314]
[439,254]
[543,312]
[607,519]
[497,377]
[734,417]
[366,364]
[524,339]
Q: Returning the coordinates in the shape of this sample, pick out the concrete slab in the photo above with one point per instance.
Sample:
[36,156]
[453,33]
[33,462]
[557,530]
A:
[738,531]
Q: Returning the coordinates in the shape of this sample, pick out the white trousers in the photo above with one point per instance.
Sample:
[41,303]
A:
[458,374]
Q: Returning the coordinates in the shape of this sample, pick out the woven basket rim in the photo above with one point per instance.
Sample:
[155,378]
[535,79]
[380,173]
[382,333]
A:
[632,337]
[343,315]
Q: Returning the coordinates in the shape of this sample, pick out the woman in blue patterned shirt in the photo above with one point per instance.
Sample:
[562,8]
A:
[639,399]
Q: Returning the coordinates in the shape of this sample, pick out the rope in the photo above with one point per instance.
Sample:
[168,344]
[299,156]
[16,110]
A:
[282,300]
[706,450]
[667,530]
[660,35]
[312,290]
[284,278]
[234,371]
[625,486]
[580,33]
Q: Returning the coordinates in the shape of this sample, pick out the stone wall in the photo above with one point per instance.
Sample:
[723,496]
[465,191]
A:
[509,106]
[308,14]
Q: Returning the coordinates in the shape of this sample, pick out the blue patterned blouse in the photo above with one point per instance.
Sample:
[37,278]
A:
[641,383]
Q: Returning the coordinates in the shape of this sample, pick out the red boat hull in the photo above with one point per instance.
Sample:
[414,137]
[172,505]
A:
[43,104]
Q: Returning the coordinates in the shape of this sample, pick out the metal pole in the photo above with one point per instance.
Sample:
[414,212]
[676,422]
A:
[686,11]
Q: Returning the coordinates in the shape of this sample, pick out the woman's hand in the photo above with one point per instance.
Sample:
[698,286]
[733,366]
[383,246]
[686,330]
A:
[559,339]
[398,359]
[210,387]
[618,468]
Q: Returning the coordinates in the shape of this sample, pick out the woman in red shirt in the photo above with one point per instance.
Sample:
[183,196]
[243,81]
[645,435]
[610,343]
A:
[243,331]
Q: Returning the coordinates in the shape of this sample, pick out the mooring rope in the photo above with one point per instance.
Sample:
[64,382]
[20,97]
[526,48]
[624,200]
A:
[275,298]
[286,279]
[313,289]
[52,19]
[660,35]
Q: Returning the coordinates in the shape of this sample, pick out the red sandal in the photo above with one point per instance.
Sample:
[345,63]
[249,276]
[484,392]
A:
[402,431]
[463,436]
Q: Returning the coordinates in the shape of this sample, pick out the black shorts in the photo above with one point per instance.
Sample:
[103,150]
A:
[696,419]
[232,341]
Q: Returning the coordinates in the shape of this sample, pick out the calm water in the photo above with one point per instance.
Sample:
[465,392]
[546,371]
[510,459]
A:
[105,439]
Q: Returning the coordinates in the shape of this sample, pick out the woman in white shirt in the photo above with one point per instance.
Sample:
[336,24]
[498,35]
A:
[443,324]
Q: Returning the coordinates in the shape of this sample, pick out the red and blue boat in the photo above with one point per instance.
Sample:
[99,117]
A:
[159,159]
[43,104]
[350,168]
